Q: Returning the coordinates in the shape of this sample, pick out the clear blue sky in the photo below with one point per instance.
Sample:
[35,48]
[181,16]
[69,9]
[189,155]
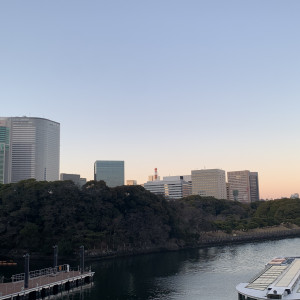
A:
[177,85]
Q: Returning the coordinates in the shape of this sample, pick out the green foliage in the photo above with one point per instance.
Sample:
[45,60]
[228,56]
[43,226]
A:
[29,236]
[36,215]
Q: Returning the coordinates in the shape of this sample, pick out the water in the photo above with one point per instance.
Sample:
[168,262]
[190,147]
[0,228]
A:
[202,274]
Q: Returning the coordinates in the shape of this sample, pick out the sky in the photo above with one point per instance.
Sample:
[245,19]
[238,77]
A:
[167,84]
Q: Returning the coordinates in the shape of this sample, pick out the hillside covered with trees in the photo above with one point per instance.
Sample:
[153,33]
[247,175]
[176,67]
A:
[34,216]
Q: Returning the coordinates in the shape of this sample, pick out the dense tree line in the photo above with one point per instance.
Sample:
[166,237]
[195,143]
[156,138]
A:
[36,215]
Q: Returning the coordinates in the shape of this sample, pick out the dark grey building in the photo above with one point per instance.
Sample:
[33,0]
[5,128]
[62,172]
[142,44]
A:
[110,171]
[254,187]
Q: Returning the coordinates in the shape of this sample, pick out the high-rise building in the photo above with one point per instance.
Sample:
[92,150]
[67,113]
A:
[243,186]
[227,191]
[171,189]
[4,150]
[239,182]
[209,182]
[32,149]
[110,171]
[254,188]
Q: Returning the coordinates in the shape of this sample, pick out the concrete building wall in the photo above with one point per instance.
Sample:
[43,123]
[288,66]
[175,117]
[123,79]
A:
[209,182]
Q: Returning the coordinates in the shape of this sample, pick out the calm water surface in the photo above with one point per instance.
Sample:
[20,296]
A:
[202,274]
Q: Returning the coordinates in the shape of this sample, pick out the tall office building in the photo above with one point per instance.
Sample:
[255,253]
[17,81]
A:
[227,191]
[4,150]
[33,146]
[239,182]
[209,182]
[110,171]
[254,188]
[243,186]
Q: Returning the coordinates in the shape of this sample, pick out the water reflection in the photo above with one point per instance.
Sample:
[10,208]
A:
[205,274]
[202,274]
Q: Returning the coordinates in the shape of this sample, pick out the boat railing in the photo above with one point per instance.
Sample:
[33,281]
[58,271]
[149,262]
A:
[267,267]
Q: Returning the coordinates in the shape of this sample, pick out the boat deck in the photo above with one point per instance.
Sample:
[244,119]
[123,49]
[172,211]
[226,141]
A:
[279,280]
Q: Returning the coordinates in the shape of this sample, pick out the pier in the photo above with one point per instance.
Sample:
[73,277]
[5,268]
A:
[45,282]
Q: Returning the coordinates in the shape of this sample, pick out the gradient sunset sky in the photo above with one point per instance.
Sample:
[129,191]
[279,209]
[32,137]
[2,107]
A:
[177,85]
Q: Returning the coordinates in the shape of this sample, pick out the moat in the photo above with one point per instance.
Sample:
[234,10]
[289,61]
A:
[198,274]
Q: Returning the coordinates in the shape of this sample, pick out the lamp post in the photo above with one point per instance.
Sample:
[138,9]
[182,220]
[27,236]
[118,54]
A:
[81,259]
[26,270]
[55,253]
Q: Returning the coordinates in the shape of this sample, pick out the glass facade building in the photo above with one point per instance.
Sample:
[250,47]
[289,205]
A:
[33,149]
[254,188]
[239,186]
[110,171]
[4,151]
[243,186]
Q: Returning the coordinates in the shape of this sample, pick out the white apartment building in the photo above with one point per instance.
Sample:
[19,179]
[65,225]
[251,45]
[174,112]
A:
[209,182]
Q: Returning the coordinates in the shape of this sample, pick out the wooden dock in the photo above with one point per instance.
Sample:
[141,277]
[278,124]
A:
[43,283]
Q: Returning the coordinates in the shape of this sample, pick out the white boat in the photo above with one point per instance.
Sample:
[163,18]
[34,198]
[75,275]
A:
[280,279]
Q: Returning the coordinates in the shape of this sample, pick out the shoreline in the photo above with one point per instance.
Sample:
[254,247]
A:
[207,239]
[211,239]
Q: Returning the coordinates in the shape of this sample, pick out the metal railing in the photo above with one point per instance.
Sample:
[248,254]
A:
[42,272]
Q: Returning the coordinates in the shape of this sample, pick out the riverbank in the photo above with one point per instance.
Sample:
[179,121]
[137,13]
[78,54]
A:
[257,234]
[207,239]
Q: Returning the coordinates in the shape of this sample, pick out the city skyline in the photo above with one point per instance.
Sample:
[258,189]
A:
[173,85]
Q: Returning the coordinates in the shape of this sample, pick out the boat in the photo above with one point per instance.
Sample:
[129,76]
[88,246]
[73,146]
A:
[280,279]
